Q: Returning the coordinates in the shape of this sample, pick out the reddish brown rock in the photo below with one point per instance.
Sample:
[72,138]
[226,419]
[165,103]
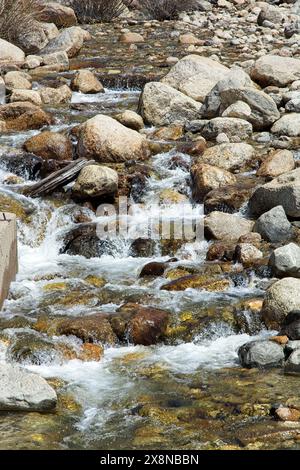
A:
[147,326]
[50,145]
[90,329]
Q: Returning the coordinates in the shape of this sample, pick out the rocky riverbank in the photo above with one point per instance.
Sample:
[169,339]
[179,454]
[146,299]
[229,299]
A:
[165,342]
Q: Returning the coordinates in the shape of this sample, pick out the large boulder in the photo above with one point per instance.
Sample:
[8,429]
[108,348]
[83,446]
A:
[274,226]
[31,96]
[277,163]
[281,298]
[271,13]
[10,53]
[229,227]
[261,353]
[106,140]
[21,390]
[162,105]
[195,76]
[207,177]
[275,70]
[281,191]
[285,261]
[60,95]
[95,181]
[32,40]
[69,40]
[50,145]
[85,81]
[231,156]
[61,15]
[23,116]
[288,124]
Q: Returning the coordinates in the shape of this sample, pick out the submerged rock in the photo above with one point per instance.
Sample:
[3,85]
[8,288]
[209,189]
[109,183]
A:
[197,281]
[21,390]
[262,353]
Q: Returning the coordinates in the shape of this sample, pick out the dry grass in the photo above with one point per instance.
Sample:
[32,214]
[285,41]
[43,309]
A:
[97,11]
[166,9]
[18,18]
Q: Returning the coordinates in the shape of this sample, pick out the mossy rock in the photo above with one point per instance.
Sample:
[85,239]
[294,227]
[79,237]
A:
[196,281]
[9,203]
[95,281]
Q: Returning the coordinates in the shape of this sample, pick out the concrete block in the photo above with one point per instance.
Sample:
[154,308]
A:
[8,253]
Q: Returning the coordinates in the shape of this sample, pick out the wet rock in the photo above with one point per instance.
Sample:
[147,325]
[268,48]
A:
[246,253]
[207,177]
[143,248]
[281,191]
[170,196]
[131,119]
[84,241]
[85,81]
[275,70]
[281,298]
[227,198]
[230,157]
[23,116]
[280,339]
[90,329]
[50,145]
[261,353]
[196,281]
[285,261]
[195,76]
[19,162]
[291,345]
[17,80]
[236,129]
[61,15]
[162,105]
[69,40]
[9,53]
[229,227]
[154,268]
[54,96]
[131,38]
[30,96]
[274,226]
[277,163]
[21,390]
[147,326]
[29,348]
[107,141]
[95,181]
[284,413]
[288,124]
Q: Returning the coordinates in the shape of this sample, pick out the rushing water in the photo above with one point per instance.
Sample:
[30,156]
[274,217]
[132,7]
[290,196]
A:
[163,396]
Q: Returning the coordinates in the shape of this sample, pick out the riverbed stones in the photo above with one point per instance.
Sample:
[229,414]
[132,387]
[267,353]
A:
[50,145]
[131,119]
[281,191]
[229,198]
[9,53]
[21,390]
[285,261]
[30,96]
[17,80]
[281,298]
[19,162]
[235,129]
[195,76]
[288,125]
[106,140]
[90,329]
[69,40]
[229,156]
[246,253]
[239,109]
[197,281]
[207,177]
[261,353]
[162,105]
[147,326]
[95,181]
[275,70]
[226,227]
[54,96]
[22,116]
[274,226]
[131,38]
[86,81]
[277,163]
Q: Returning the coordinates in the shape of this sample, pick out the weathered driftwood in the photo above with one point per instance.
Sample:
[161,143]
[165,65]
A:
[57,179]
